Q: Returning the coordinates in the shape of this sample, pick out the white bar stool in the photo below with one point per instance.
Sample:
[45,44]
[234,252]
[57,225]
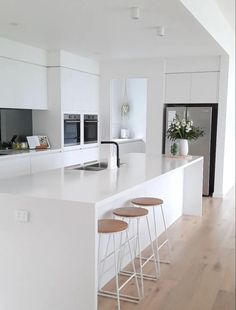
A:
[133,213]
[154,203]
[112,227]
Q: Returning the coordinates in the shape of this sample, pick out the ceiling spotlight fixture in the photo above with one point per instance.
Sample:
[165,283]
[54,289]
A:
[135,12]
[161,31]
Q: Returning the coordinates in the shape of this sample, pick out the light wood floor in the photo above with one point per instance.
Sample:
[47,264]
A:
[202,273]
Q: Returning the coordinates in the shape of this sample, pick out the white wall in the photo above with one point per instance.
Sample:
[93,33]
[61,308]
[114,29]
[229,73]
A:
[137,99]
[193,64]
[229,158]
[151,70]
[211,18]
[209,15]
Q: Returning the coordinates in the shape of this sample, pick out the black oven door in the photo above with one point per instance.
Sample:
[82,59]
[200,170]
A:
[90,129]
[71,132]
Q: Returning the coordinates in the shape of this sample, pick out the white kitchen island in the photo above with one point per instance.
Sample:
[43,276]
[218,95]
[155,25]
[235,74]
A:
[50,262]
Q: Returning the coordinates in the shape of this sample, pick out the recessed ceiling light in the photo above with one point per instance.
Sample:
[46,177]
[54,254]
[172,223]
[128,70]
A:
[161,31]
[135,12]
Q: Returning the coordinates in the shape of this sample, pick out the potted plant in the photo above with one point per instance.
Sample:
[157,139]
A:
[184,131]
[174,149]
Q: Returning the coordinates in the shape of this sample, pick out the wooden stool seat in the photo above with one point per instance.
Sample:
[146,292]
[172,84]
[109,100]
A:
[147,201]
[130,212]
[109,226]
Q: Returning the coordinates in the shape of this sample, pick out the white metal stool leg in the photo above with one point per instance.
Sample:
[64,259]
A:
[117,294]
[140,258]
[152,247]
[144,260]
[156,241]
[116,272]
[101,269]
[167,237]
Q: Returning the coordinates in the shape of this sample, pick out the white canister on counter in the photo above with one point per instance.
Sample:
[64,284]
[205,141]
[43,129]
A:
[124,133]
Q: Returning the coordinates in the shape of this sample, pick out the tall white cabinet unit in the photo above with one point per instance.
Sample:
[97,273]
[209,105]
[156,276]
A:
[79,91]
[194,87]
[205,87]
[178,88]
[23,76]
[73,88]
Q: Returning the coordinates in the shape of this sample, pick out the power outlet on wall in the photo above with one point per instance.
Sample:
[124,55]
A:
[22,216]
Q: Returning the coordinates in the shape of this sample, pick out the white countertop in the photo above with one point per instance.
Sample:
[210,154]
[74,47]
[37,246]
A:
[119,140]
[94,186]
[17,153]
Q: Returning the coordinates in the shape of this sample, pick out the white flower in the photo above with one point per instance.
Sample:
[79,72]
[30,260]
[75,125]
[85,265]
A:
[177,123]
[183,123]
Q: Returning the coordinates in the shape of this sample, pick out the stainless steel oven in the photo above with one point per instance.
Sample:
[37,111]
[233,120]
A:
[71,129]
[90,128]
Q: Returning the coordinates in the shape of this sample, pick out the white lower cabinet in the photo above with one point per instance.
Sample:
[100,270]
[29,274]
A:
[14,166]
[45,162]
[90,154]
[76,157]
[72,157]
[10,167]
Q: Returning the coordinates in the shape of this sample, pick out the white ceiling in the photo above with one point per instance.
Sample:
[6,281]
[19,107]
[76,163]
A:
[103,29]
[227,8]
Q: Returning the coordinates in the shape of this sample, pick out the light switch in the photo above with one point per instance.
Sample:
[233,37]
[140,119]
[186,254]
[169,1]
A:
[22,216]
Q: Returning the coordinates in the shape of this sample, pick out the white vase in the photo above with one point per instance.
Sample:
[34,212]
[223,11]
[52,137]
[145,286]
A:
[183,147]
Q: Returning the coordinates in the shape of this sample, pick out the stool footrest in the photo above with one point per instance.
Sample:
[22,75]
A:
[154,260]
[145,276]
[131,276]
[147,259]
[163,244]
[123,297]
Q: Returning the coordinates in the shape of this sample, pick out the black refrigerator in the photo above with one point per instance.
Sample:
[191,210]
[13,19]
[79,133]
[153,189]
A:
[204,116]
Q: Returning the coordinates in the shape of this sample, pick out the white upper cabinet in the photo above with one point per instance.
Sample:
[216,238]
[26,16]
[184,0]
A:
[178,88]
[79,91]
[196,87]
[22,85]
[205,87]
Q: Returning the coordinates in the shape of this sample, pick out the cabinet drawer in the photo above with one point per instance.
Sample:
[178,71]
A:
[46,162]
[14,167]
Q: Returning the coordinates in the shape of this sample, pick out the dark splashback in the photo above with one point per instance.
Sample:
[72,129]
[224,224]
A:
[15,122]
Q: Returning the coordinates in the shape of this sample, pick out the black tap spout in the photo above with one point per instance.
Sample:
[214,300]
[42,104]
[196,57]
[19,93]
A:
[117,151]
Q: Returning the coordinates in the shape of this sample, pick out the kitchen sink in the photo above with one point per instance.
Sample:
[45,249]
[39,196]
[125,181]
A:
[98,166]
[93,167]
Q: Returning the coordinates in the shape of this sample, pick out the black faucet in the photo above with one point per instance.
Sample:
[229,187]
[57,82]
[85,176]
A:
[117,151]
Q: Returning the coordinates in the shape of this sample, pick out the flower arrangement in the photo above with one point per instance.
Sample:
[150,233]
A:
[183,129]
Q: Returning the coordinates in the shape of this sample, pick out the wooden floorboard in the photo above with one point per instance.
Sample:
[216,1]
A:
[202,273]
